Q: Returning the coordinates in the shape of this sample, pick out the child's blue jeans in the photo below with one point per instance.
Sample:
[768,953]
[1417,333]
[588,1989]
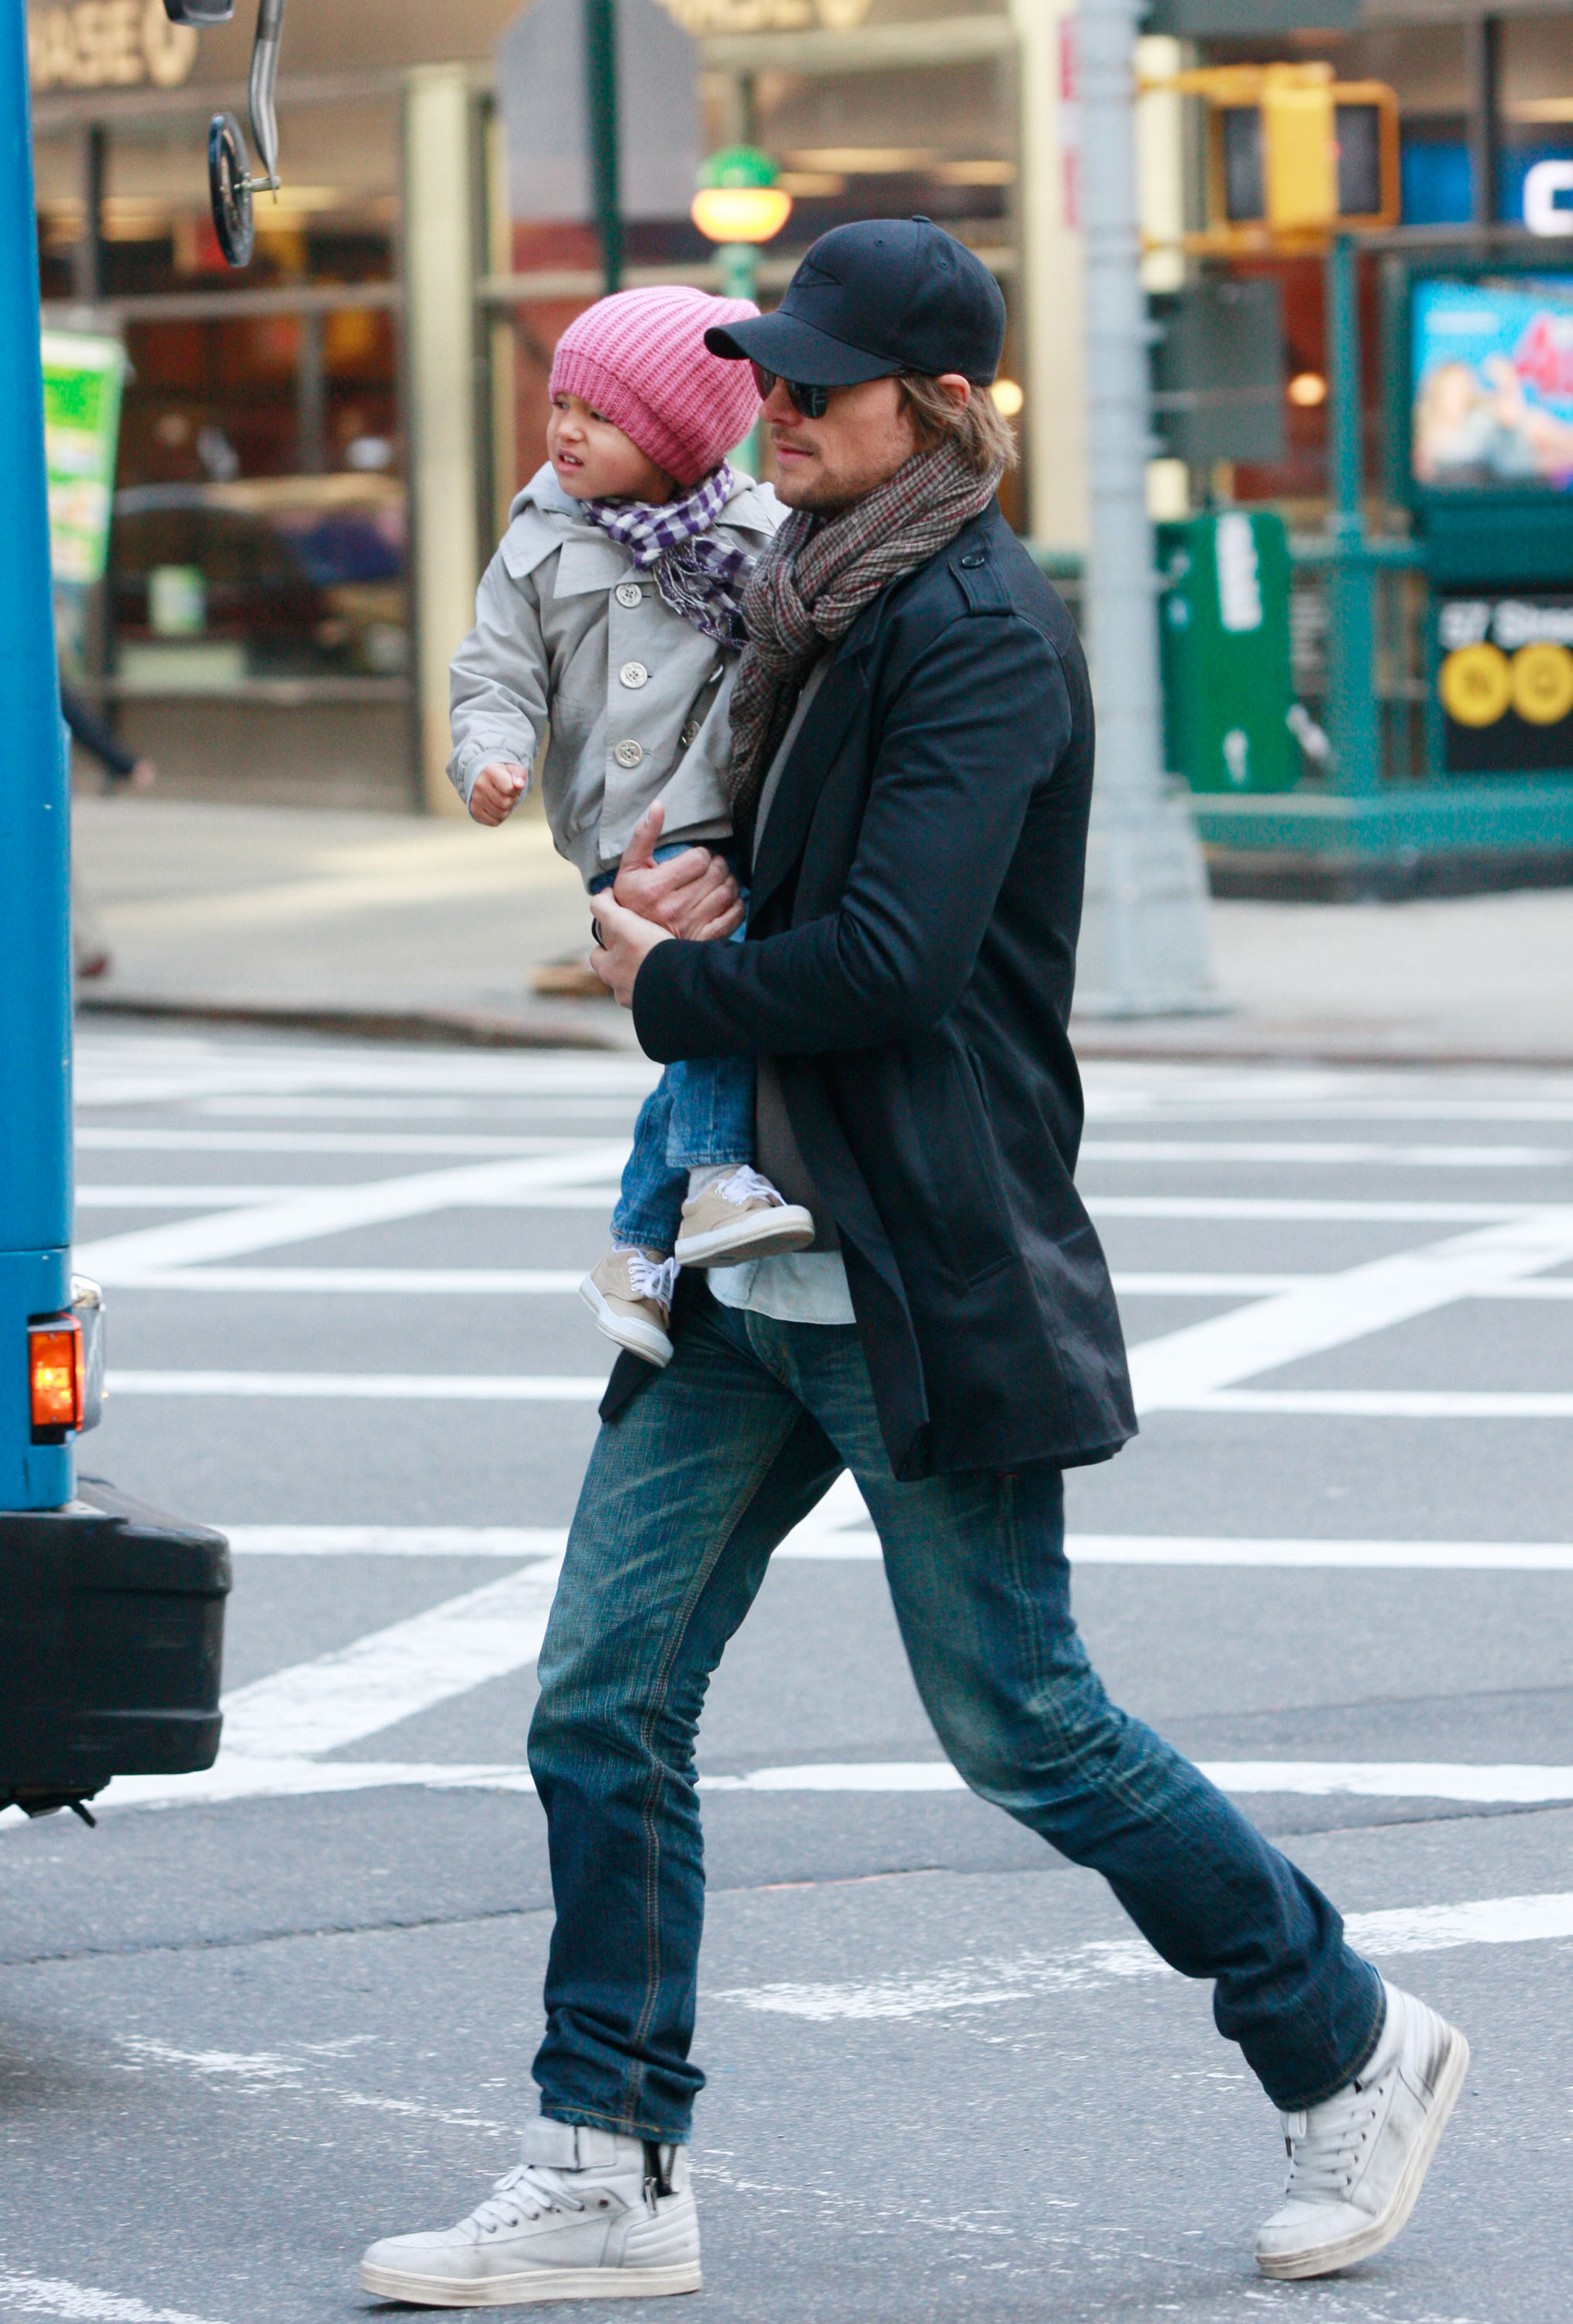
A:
[699,1112]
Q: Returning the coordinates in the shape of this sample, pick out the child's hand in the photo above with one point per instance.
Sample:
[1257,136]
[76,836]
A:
[497,791]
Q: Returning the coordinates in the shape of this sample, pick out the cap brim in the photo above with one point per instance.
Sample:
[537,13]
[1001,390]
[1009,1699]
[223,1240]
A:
[793,349]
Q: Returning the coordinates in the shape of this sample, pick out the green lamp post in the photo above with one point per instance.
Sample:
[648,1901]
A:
[737,207]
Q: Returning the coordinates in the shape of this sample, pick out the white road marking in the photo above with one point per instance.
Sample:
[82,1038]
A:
[289,1216]
[516,1542]
[1306,1778]
[1335,1153]
[1426,1556]
[1171,1373]
[1380,1404]
[1296,1208]
[400,1282]
[341,1698]
[851,1541]
[82,2303]
[416,1388]
[286,1772]
[116,1137]
[156,1197]
[1031,1977]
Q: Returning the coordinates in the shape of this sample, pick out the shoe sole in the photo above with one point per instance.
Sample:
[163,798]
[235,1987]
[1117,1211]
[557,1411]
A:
[1326,2259]
[639,1339]
[525,2291]
[775,1233]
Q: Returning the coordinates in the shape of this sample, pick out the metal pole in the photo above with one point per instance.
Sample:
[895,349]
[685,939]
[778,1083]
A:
[1144,948]
[35,997]
[600,29]
[1352,708]
[1483,35]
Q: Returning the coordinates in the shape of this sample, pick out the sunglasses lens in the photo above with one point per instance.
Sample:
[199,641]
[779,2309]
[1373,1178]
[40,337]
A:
[813,402]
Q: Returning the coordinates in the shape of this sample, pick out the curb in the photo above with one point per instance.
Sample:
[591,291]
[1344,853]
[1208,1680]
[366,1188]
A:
[457,1029]
[451,1028]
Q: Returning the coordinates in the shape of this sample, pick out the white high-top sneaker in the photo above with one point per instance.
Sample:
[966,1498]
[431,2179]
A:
[587,2215]
[1356,2162]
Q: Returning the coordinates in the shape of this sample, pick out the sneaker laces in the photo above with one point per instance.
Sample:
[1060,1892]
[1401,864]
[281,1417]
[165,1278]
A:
[1327,2157]
[526,2192]
[651,1278]
[747,1184]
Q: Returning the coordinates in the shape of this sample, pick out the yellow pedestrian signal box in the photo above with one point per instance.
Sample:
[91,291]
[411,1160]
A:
[1293,155]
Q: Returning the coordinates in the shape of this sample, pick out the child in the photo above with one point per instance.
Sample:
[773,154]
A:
[609,618]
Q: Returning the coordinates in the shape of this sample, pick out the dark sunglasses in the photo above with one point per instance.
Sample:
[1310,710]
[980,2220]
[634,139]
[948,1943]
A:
[813,402]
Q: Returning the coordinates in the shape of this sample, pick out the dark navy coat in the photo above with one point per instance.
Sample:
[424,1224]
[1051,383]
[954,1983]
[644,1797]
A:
[910,954]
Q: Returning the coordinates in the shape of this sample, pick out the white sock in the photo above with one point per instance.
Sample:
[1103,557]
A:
[707,1177]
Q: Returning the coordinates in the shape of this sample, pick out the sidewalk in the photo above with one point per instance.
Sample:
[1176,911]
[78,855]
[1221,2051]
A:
[426,928]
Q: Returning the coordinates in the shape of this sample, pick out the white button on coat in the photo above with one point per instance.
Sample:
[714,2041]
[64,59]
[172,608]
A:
[628,754]
[544,676]
[629,592]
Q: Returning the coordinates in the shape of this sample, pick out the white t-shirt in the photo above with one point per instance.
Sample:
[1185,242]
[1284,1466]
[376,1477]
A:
[799,1286]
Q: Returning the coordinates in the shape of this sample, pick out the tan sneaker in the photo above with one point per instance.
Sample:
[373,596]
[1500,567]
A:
[742,1217]
[629,1293]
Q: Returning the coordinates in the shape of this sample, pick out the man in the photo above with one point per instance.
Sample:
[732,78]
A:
[914,753]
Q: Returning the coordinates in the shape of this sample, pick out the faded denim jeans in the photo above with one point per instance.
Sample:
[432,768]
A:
[700,1111]
[688,1491]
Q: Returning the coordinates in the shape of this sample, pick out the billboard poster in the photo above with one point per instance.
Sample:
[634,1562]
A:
[1492,385]
[82,376]
[1505,682]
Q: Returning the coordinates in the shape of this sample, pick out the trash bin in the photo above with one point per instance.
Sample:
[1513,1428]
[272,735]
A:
[1223,621]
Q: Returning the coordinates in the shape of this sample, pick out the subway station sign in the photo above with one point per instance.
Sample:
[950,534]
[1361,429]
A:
[1505,683]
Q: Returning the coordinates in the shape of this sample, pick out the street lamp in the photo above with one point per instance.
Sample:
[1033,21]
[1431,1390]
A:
[738,205]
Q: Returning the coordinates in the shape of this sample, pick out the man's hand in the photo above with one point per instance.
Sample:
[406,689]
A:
[626,941]
[692,895]
[497,791]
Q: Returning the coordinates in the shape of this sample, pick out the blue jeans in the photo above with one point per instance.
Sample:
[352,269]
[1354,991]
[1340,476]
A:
[688,1492]
[700,1112]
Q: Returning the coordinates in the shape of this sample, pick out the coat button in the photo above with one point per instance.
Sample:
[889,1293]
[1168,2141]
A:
[628,754]
[633,674]
[689,736]
[629,592]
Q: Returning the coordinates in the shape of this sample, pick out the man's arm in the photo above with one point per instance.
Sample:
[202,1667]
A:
[985,713]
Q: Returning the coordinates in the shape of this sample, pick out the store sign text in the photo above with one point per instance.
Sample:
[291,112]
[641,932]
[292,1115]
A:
[107,44]
[701,16]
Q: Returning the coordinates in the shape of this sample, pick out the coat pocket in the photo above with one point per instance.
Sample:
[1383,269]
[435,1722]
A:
[943,1132]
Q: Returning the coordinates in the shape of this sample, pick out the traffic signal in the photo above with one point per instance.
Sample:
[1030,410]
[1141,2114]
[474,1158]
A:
[1293,155]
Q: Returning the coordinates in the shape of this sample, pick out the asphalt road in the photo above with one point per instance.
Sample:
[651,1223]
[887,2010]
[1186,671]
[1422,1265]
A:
[259,2017]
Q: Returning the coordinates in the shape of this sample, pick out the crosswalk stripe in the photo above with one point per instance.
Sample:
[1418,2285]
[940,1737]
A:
[1172,1371]
[983,1984]
[283,1772]
[1382,1404]
[343,1697]
[439,1388]
[850,1540]
[291,1216]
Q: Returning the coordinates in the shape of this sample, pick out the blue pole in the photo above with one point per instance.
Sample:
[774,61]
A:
[36,993]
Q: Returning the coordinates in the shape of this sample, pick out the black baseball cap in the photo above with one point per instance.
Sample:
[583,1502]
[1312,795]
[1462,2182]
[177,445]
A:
[883,296]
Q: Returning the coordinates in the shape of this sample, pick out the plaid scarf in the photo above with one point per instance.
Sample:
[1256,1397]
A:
[816,577]
[700,577]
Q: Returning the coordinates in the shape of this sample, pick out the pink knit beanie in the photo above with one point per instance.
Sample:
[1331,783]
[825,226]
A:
[640,357]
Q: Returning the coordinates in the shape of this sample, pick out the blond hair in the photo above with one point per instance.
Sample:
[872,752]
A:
[984,436]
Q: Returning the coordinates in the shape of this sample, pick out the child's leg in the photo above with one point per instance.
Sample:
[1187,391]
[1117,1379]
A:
[649,1211]
[711,1117]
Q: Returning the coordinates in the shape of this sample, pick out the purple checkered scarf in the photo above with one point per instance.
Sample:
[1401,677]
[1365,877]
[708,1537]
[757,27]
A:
[698,576]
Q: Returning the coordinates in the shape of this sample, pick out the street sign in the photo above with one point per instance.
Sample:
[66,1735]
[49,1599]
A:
[1505,682]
